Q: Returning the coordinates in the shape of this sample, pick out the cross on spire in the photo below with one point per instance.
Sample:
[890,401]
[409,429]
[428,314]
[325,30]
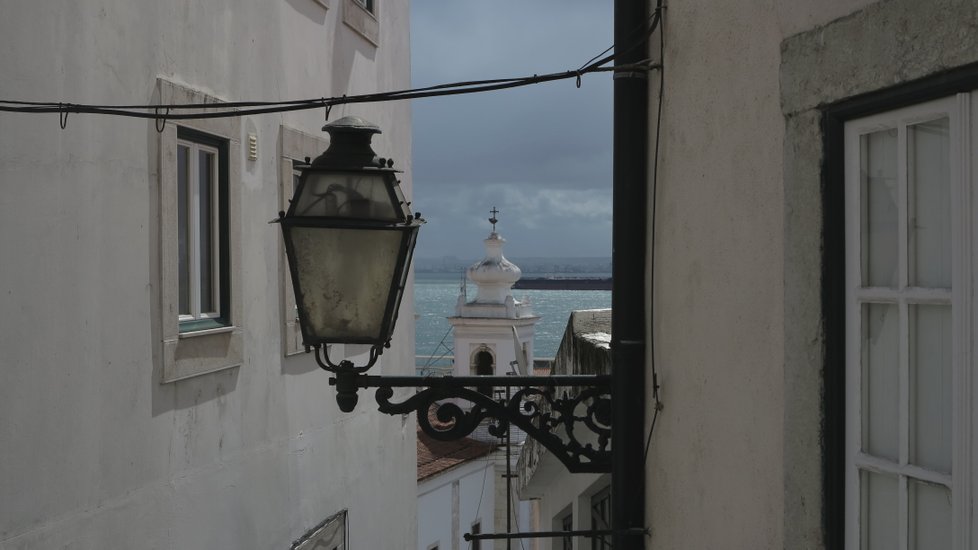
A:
[493,219]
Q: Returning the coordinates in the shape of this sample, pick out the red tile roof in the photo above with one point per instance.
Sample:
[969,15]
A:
[436,456]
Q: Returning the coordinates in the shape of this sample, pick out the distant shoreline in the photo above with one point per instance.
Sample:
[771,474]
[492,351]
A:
[563,283]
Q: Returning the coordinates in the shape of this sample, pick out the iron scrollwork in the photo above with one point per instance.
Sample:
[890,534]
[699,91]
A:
[575,425]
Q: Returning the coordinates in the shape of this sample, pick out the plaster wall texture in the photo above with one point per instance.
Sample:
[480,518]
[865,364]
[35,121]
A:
[437,511]
[735,457]
[714,470]
[96,453]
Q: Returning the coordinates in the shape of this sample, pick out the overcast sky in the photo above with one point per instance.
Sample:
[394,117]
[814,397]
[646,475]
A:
[540,154]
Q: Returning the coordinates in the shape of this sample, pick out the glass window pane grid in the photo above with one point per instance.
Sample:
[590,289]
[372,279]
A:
[930,376]
[880,406]
[929,208]
[204,304]
[183,220]
[929,516]
[204,226]
[907,299]
[879,191]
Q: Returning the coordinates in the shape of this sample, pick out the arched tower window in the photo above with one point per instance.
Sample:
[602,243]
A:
[484,364]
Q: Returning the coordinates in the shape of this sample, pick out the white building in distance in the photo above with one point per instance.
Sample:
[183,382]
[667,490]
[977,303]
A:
[462,485]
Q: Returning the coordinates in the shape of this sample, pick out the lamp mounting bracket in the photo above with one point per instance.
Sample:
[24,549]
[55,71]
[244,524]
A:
[574,425]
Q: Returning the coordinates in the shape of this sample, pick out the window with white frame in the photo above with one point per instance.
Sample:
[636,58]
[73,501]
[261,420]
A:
[199,241]
[909,305]
[201,230]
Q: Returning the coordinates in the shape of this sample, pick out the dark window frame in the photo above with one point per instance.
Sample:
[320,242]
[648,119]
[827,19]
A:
[834,116]
[223,226]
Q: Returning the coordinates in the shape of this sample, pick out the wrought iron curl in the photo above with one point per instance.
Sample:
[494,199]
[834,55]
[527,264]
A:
[535,410]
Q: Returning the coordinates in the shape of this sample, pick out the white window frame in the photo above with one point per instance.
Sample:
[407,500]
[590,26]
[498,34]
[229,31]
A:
[190,353]
[961,296]
[193,230]
[332,534]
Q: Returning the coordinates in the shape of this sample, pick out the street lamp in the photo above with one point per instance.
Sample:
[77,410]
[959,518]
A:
[349,237]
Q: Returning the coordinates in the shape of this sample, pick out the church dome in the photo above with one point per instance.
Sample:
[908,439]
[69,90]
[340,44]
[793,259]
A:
[494,274]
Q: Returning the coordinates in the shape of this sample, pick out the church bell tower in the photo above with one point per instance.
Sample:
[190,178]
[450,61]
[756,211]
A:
[493,332]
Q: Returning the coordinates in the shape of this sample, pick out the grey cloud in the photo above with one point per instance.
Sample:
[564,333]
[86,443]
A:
[542,154]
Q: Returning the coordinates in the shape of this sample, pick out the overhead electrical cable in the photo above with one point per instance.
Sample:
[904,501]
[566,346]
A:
[189,111]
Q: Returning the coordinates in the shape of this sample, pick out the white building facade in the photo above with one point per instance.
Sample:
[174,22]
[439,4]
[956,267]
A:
[568,501]
[456,495]
[493,334]
[155,395]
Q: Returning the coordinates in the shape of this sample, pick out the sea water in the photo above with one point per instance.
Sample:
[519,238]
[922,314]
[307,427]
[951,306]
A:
[435,296]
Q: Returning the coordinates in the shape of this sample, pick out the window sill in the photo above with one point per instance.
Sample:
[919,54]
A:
[361,20]
[201,352]
[191,332]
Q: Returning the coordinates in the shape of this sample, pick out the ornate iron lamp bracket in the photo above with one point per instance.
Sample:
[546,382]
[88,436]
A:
[575,425]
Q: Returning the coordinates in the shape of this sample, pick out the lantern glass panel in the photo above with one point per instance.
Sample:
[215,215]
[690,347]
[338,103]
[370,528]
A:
[353,195]
[344,278]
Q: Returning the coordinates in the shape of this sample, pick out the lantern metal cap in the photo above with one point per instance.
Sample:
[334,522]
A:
[349,146]
[351,124]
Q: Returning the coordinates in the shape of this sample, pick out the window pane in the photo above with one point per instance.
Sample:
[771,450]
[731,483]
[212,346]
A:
[879,521]
[930,394]
[930,193]
[930,516]
[206,187]
[183,217]
[880,380]
[878,172]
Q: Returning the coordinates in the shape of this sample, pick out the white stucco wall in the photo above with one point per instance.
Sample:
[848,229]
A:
[715,472]
[470,334]
[736,459]
[94,451]
[441,517]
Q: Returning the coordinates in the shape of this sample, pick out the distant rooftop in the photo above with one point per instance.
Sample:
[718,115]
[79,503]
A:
[435,457]
[586,346]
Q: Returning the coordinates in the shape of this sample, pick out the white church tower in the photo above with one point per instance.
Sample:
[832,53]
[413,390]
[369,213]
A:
[491,329]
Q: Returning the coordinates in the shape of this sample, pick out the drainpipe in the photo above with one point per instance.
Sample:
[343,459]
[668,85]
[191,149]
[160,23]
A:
[628,298]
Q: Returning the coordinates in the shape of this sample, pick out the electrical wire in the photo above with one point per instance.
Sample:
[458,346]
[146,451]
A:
[516,515]
[432,358]
[244,108]
[646,28]
[655,180]
[485,474]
